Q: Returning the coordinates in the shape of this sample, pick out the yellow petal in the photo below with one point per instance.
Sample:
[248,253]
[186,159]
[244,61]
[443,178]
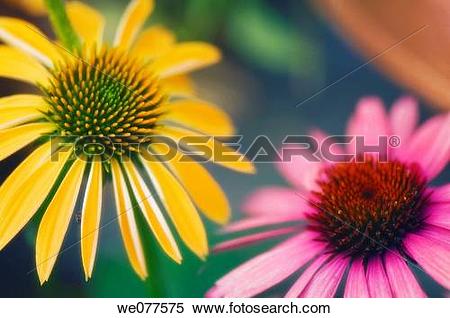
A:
[152,213]
[10,117]
[178,85]
[28,166]
[29,39]
[90,217]
[199,116]
[56,219]
[132,21]
[26,188]
[127,222]
[87,22]
[179,207]
[33,7]
[19,66]
[154,42]
[13,139]
[222,154]
[203,189]
[24,100]
[186,57]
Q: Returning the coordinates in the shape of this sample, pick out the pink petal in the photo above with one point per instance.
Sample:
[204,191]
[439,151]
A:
[438,214]
[252,239]
[306,276]
[377,280]
[212,293]
[356,286]
[269,268]
[403,282]
[300,172]
[429,146]
[441,194]
[436,233]
[320,136]
[258,221]
[274,201]
[326,281]
[404,117]
[369,120]
[433,256]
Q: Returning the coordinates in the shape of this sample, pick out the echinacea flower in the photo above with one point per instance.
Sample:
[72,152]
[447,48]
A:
[109,98]
[362,224]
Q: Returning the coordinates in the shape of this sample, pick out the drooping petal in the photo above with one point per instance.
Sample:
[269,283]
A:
[301,172]
[23,101]
[436,233]
[10,117]
[56,219]
[26,188]
[27,167]
[179,207]
[370,121]
[87,22]
[19,66]
[259,221]
[15,138]
[377,280]
[275,201]
[402,280]
[29,39]
[326,281]
[321,136]
[179,85]
[132,21]
[215,149]
[152,213]
[200,116]
[404,117]
[186,57]
[90,217]
[438,214]
[356,285]
[252,239]
[154,42]
[267,269]
[201,186]
[306,276]
[127,222]
[431,255]
[429,146]
[441,194]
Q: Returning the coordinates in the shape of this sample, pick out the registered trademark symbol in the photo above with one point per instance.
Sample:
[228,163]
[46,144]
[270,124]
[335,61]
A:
[394,141]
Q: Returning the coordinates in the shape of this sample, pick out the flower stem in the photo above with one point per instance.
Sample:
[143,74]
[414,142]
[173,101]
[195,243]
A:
[61,24]
[156,284]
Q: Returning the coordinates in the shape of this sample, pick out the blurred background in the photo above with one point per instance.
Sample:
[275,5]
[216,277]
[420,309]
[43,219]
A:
[277,56]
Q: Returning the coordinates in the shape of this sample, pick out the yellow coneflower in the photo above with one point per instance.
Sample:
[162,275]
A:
[107,95]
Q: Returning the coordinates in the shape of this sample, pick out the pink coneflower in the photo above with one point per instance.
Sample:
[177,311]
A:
[360,225]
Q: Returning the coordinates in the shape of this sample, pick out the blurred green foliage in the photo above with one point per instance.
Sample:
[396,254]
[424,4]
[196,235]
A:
[266,38]
[257,31]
